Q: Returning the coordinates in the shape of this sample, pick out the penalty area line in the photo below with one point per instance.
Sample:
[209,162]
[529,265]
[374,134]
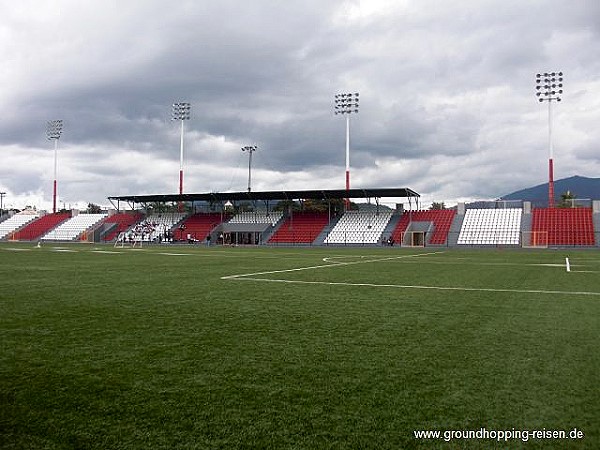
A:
[324,266]
[412,286]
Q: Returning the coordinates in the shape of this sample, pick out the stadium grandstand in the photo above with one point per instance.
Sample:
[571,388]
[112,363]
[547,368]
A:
[291,218]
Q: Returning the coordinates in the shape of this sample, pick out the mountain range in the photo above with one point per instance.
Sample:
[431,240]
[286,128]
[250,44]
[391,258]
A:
[580,187]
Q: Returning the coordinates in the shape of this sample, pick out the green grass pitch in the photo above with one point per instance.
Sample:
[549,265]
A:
[288,348]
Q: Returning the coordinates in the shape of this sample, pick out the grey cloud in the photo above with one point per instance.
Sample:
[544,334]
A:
[443,85]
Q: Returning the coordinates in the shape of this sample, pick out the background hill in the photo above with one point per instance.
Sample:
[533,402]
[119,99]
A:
[581,187]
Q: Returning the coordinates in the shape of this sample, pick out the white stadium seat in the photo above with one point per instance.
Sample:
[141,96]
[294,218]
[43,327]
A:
[356,227]
[491,227]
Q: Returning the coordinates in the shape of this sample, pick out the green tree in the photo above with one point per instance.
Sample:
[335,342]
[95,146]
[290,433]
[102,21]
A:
[566,200]
[284,205]
[437,206]
[160,207]
[93,209]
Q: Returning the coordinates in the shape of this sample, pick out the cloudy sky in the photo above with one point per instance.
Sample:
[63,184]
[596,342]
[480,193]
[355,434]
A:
[447,95]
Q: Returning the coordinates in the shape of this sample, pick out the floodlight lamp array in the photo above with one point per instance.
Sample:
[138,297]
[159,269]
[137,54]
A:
[54,129]
[181,111]
[549,86]
[346,103]
[249,148]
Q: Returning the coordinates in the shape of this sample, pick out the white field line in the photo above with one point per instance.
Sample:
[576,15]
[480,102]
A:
[254,277]
[324,266]
[467,262]
[408,286]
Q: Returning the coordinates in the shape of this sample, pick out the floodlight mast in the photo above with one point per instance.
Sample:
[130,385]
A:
[250,149]
[2,194]
[346,104]
[549,89]
[181,112]
[53,132]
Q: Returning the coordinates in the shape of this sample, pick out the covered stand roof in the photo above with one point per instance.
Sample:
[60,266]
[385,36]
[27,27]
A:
[270,195]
